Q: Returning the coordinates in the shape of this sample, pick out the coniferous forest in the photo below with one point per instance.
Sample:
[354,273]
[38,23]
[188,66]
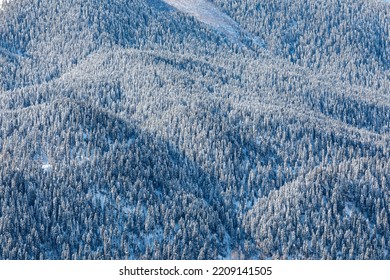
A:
[235,129]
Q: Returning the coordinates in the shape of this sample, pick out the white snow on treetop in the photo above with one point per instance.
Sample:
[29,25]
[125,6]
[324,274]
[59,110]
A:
[3,1]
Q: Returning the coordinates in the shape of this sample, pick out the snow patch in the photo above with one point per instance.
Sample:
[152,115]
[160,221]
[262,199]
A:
[47,167]
[209,14]
[99,197]
[350,208]
[43,159]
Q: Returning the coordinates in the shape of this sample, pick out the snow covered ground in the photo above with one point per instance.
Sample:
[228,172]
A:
[209,14]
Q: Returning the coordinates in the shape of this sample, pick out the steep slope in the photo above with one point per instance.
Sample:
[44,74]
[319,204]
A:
[46,47]
[326,201]
[350,38]
[85,215]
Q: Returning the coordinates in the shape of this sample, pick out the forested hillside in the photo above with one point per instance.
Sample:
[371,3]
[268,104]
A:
[146,129]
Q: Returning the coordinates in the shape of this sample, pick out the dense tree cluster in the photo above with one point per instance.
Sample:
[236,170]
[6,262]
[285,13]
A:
[350,37]
[129,130]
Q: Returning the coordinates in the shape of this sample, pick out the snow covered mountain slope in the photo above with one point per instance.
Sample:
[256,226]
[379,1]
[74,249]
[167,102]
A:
[209,14]
[130,129]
